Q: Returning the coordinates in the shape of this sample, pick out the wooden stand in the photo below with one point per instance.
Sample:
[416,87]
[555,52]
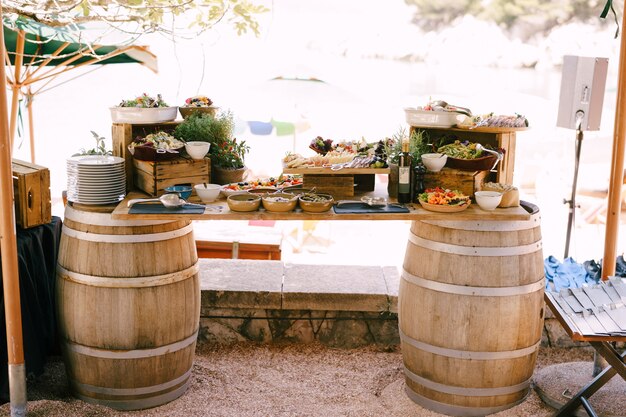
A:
[496,137]
[341,183]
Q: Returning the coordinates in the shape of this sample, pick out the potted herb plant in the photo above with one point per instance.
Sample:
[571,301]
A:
[100,148]
[206,128]
[228,161]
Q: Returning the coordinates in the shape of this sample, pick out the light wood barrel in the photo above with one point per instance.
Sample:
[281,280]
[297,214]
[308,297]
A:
[471,313]
[128,298]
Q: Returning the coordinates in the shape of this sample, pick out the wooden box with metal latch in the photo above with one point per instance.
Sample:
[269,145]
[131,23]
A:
[31,188]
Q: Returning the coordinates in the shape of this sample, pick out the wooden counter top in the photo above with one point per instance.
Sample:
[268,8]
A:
[219,211]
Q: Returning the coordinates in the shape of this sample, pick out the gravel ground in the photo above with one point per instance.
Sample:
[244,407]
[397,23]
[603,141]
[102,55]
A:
[250,380]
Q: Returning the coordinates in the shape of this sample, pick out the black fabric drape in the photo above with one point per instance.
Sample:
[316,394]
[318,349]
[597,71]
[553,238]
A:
[37,250]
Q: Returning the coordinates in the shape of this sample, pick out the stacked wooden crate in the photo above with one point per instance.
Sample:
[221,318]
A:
[152,177]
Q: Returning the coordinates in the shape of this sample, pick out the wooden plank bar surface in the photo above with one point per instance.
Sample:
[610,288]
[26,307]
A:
[219,211]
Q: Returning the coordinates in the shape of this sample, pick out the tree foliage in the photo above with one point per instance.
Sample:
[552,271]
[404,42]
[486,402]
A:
[540,15]
[167,16]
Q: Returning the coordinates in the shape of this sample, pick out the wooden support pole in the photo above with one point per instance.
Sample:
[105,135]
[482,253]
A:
[617,167]
[8,249]
[19,57]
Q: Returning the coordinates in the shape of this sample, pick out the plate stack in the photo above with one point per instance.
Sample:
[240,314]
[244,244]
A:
[96,179]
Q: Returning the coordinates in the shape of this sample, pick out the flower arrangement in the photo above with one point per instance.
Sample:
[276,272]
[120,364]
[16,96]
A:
[144,101]
[229,153]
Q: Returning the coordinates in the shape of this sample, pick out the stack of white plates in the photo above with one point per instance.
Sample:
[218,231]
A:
[96,179]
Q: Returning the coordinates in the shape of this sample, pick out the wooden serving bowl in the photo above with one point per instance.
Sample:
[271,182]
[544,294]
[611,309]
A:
[317,206]
[243,202]
[280,202]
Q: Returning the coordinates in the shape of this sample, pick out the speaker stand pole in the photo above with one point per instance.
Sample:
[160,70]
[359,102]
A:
[572,201]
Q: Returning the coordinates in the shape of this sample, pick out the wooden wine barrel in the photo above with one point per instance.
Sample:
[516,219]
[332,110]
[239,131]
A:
[128,299]
[470,312]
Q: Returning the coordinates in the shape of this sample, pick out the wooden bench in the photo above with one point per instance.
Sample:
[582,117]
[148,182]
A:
[245,242]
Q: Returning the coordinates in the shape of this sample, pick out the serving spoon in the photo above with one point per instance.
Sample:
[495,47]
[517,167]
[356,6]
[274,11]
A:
[169,200]
[451,107]
[497,154]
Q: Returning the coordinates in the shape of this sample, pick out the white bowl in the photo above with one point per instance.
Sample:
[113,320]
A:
[197,149]
[208,192]
[488,200]
[430,118]
[139,115]
[434,161]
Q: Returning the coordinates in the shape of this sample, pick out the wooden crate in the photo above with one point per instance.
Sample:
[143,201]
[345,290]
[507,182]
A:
[31,187]
[339,186]
[465,181]
[124,133]
[153,177]
[504,138]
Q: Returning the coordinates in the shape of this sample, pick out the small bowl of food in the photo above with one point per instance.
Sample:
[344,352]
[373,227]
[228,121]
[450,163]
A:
[298,190]
[434,162]
[488,200]
[244,202]
[262,190]
[315,203]
[184,191]
[207,192]
[197,149]
[280,202]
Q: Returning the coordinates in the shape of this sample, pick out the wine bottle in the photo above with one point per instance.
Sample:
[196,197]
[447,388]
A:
[404,175]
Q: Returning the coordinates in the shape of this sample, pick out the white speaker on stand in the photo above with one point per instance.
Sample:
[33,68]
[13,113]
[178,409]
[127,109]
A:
[583,82]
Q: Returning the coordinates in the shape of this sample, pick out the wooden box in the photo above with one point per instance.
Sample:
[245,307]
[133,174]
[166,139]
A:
[31,187]
[465,181]
[339,186]
[153,177]
[124,133]
[497,137]
[341,183]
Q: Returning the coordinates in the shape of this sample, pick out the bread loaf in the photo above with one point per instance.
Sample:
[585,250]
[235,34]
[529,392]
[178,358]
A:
[510,194]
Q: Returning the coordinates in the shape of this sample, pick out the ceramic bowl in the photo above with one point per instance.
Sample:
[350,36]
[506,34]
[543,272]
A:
[316,203]
[244,202]
[208,192]
[139,115]
[197,149]
[184,191]
[488,200]
[280,202]
[434,161]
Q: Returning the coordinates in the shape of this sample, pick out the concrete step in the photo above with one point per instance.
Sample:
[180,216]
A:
[272,301]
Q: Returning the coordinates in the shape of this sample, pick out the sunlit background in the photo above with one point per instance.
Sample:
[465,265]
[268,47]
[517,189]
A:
[373,60]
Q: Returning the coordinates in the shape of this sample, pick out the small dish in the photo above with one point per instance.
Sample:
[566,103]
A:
[197,149]
[207,192]
[262,190]
[315,203]
[184,191]
[434,162]
[280,202]
[244,202]
[488,200]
